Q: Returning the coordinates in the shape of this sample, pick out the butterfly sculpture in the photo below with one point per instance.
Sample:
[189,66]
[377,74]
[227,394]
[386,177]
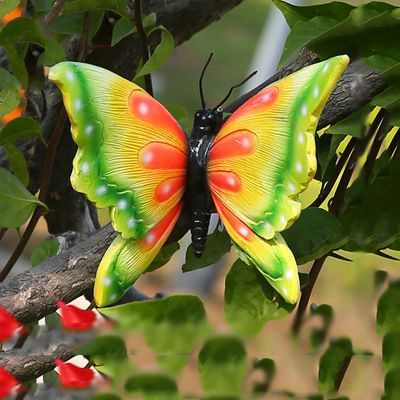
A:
[134,158]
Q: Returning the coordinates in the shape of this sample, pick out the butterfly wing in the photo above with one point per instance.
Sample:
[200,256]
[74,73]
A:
[131,157]
[260,161]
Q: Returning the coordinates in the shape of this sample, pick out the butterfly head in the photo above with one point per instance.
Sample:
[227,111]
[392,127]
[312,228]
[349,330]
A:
[208,121]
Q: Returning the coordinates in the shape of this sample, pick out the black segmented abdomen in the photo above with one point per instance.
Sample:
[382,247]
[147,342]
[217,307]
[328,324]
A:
[199,230]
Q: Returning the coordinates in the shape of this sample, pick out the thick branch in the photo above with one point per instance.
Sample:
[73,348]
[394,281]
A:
[38,355]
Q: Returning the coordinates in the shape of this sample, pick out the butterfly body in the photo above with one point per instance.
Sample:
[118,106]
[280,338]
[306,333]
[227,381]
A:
[134,158]
[206,125]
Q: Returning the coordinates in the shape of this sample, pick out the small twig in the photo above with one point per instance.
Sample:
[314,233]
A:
[339,256]
[376,145]
[22,339]
[385,255]
[53,14]
[342,372]
[338,169]
[21,396]
[143,43]
[85,37]
[394,143]
[334,208]
[48,167]
[2,232]
[44,187]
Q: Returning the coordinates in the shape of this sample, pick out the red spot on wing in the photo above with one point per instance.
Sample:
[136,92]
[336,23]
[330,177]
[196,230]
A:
[161,229]
[258,103]
[148,109]
[156,155]
[229,218]
[225,181]
[236,144]
[169,188]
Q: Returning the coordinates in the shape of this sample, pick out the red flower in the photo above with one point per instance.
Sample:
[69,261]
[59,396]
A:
[8,384]
[74,377]
[9,326]
[75,319]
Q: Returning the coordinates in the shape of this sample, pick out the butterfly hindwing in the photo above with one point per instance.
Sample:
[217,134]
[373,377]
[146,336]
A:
[260,161]
[131,157]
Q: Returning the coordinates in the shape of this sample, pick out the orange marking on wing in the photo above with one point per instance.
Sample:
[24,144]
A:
[16,13]
[148,109]
[156,155]
[242,229]
[16,113]
[169,188]
[236,144]
[265,98]
[158,231]
[225,181]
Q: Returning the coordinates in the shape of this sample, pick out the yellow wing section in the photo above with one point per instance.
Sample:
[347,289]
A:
[132,154]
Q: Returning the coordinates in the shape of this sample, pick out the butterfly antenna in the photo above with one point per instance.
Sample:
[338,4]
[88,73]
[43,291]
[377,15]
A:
[233,88]
[203,103]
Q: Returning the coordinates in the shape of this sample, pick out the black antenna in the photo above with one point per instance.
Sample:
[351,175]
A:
[234,87]
[203,104]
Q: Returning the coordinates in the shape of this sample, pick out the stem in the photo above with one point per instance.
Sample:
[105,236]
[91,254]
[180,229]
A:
[44,187]
[334,208]
[143,43]
[338,169]
[376,145]
[48,166]
[342,372]
[53,14]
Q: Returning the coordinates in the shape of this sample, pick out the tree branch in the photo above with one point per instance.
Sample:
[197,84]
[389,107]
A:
[38,354]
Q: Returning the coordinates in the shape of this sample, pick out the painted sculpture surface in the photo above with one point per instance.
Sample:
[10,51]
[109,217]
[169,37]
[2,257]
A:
[134,158]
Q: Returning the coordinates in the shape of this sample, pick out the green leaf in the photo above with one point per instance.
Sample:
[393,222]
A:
[45,250]
[152,386]
[222,366]
[353,125]
[172,326]
[318,335]
[332,362]
[7,6]
[314,234]
[368,206]
[78,6]
[380,277]
[160,55]
[250,302]
[268,367]
[15,56]
[122,28]
[163,256]
[181,115]
[51,379]
[72,24]
[16,202]
[9,92]
[391,350]
[20,128]
[388,316]
[218,244]
[27,30]
[389,98]
[104,349]
[17,163]
[392,384]
[294,14]
[105,396]
[52,321]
